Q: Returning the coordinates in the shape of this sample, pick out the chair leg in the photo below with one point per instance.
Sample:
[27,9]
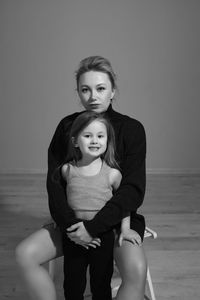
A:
[52,268]
[151,289]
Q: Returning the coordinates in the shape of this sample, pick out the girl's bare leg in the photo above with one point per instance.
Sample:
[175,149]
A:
[132,265]
[38,248]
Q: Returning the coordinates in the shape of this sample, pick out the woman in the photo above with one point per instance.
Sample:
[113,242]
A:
[96,86]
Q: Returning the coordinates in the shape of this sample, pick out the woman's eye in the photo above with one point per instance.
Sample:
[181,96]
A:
[101,88]
[84,90]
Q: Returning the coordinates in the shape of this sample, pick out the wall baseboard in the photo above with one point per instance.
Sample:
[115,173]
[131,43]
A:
[23,171]
[164,171]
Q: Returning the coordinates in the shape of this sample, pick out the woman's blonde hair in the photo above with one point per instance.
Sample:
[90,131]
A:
[98,64]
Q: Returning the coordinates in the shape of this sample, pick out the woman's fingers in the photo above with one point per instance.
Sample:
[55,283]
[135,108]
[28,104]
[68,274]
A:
[96,242]
[73,227]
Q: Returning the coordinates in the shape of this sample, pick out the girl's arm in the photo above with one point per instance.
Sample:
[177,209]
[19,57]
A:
[126,232]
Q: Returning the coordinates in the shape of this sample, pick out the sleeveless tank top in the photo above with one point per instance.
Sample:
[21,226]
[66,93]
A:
[86,195]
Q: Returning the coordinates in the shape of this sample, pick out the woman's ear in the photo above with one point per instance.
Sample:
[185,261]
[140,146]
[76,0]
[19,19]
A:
[74,143]
[113,94]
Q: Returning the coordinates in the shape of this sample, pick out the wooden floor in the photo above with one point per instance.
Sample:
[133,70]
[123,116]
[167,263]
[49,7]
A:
[171,207]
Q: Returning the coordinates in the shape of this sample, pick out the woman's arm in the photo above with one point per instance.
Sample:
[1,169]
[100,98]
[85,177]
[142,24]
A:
[60,211]
[130,194]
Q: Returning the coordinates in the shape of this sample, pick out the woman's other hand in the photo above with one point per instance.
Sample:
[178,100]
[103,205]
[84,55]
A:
[79,235]
[96,242]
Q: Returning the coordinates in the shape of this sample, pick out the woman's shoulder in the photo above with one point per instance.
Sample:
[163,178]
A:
[127,120]
[133,130]
[70,118]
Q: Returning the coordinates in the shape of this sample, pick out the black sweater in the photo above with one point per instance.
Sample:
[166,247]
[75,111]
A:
[131,154]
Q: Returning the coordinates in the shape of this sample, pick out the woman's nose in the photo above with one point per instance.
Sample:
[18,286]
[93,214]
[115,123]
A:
[93,95]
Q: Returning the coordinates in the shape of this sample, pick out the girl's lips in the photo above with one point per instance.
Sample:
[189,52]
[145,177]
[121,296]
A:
[94,148]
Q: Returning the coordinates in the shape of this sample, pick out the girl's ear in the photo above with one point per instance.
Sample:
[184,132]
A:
[74,143]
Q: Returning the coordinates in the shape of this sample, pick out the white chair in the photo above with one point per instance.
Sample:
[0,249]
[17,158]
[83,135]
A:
[117,281]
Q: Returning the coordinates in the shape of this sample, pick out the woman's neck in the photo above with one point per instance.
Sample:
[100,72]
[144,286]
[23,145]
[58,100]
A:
[89,167]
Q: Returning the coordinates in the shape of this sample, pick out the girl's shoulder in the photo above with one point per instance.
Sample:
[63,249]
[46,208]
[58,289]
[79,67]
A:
[114,177]
[114,173]
[64,170]
[67,168]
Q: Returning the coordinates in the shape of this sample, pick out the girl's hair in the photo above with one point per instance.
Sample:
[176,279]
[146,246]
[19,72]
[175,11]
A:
[99,64]
[81,122]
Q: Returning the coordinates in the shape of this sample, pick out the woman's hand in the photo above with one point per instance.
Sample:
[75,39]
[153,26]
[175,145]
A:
[79,235]
[131,236]
[96,242]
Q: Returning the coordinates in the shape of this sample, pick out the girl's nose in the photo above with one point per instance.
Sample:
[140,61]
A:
[94,140]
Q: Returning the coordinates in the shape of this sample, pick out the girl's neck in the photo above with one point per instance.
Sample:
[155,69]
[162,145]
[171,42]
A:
[89,167]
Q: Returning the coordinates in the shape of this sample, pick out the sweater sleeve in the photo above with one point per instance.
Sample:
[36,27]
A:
[130,195]
[60,211]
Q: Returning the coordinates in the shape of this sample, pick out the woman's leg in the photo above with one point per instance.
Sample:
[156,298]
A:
[38,248]
[132,265]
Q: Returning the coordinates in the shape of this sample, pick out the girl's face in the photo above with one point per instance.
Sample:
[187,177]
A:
[92,141]
[95,91]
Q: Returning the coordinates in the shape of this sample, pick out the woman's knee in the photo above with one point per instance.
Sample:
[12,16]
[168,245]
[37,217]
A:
[139,267]
[26,254]
[132,264]
[38,248]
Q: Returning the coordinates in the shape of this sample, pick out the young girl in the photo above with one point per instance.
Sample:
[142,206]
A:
[92,176]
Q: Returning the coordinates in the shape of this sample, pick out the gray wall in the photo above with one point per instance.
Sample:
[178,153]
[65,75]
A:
[154,48]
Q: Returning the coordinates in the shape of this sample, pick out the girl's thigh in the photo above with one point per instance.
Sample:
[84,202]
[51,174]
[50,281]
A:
[41,246]
[131,260]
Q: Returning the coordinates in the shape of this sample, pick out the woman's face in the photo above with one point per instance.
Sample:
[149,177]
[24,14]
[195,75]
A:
[95,91]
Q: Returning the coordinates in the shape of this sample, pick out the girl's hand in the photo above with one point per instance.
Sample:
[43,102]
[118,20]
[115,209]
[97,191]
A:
[131,236]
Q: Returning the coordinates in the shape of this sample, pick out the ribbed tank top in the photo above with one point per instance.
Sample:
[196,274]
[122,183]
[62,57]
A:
[88,193]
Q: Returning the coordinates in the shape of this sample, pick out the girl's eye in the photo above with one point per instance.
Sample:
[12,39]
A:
[87,135]
[101,136]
